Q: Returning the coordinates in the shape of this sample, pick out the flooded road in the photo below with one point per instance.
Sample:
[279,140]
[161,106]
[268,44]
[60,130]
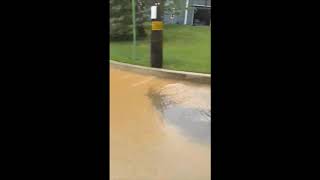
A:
[159,128]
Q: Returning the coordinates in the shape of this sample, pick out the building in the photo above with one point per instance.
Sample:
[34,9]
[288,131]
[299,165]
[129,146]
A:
[197,12]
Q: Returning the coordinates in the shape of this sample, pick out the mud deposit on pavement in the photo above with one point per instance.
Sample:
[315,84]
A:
[159,128]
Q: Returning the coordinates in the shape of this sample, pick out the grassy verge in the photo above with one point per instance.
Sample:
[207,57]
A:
[185,48]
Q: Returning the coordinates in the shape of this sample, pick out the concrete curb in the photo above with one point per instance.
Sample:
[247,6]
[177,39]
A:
[164,73]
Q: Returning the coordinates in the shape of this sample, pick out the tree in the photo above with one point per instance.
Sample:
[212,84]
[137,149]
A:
[121,16]
[141,18]
[121,19]
[173,8]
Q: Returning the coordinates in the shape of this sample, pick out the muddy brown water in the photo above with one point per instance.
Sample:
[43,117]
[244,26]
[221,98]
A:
[159,128]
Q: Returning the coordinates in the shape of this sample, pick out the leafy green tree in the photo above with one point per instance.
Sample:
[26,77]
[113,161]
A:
[121,16]
[121,19]
[173,8]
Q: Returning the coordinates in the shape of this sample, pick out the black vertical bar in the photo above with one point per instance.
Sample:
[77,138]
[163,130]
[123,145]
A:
[156,42]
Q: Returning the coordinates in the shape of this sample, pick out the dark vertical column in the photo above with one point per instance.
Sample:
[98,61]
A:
[157,38]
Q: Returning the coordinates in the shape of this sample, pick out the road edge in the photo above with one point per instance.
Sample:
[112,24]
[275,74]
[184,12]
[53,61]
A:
[164,73]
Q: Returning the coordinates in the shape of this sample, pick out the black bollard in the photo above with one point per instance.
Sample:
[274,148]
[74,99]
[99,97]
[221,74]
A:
[156,36]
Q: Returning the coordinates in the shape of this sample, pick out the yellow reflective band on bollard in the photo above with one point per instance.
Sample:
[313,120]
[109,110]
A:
[157,25]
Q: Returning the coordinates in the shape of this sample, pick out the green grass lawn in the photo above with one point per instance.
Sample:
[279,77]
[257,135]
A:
[186,48]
